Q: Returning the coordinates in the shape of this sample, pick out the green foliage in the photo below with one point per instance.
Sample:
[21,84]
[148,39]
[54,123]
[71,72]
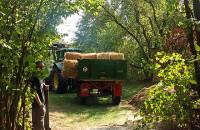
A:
[137,29]
[169,99]
[197,47]
[27,28]
[93,6]
[96,34]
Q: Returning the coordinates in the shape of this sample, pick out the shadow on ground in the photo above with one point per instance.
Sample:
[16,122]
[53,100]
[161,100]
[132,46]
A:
[68,104]
[66,111]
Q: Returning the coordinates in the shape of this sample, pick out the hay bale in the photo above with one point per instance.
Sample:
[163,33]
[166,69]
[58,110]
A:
[69,73]
[104,55]
[69,69]
[70,63]
[110,56]
[72,55]
[116,56]
[89,56]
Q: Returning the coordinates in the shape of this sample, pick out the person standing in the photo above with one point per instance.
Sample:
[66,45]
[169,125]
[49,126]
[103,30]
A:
[38,105]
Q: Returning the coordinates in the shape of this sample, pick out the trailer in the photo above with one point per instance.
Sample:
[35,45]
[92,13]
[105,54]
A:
[100,77]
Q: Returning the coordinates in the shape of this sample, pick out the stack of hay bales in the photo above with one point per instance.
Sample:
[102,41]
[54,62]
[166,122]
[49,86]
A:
[89,56]
[104,56]
[70,62]
[72,55]
[116,56]
[110,56]
[69,69]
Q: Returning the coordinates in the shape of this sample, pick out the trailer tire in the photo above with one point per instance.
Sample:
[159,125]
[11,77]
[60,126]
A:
[116,100]
[83,100]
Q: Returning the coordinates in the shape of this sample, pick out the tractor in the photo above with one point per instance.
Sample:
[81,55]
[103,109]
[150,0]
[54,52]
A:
[58,83]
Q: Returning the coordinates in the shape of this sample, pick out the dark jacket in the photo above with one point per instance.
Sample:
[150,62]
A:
[36,85]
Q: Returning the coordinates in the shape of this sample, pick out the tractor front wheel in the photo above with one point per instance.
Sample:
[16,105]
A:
[59,85]
[55,82]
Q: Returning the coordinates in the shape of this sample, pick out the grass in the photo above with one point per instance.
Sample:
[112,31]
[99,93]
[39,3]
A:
[66,111]
[131,89]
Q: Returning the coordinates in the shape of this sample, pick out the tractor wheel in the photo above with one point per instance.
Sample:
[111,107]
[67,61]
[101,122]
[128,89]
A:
[59,85]
[55,82]
[116,100]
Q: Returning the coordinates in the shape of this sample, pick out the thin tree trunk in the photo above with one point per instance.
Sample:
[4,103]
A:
[196,8]
[191,43]
[193,51]
[18,83]
[24,110]
[113,17]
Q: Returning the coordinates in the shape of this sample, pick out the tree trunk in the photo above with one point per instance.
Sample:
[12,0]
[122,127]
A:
[191,39]
[196,8]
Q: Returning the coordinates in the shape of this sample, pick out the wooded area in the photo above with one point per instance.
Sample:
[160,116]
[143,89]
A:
[160,40]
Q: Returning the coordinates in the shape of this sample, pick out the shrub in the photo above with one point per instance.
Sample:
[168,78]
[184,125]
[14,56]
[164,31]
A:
[170,98]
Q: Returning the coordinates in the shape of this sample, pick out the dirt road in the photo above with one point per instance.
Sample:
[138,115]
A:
[67,114]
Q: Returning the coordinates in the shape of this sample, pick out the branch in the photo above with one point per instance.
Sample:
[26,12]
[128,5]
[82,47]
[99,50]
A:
[34,24]
[152,27]
[24,47]
[190,32]
[49,19]
[126,30]
[143,31]
[154,16]
[11,25]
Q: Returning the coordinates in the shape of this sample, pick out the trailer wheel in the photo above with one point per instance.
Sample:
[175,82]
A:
[116,100]
[83,100]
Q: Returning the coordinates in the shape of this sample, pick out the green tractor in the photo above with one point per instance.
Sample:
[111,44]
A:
[58,83]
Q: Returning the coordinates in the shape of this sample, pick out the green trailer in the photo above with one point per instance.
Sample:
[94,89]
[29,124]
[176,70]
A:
[101,77]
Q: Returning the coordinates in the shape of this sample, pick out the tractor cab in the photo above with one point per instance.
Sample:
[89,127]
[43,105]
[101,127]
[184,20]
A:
[58,51]
[61,53]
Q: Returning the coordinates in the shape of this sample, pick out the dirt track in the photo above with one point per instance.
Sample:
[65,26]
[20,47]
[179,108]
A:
[73,116]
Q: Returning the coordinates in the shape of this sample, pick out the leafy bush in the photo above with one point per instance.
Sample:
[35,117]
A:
[169,99]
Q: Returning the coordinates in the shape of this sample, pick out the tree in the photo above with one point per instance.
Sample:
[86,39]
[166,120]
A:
[190,34]
[175,98]
[27,28]
[143,24]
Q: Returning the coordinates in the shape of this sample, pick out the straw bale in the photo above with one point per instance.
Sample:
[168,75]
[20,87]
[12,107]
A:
[104,55]
[69,73]
[89,56]
[70,63]
[69,69]
[72,55]
[116,56]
